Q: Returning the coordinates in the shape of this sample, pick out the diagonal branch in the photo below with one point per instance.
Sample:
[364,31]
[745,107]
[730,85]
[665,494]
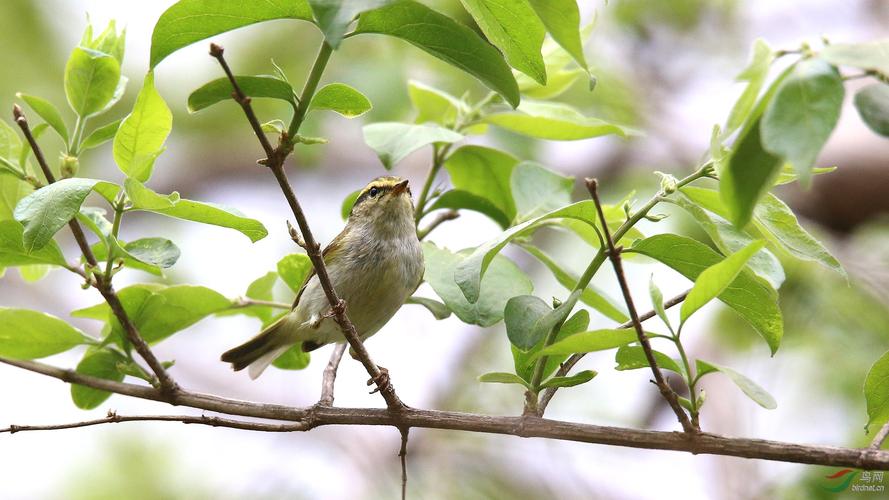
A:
[525,426]
[274,160]
[614,255]
[100,281]
[880,437]
[569,363]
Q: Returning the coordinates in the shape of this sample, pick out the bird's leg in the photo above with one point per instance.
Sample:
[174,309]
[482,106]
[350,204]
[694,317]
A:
[332,313]
[381,380]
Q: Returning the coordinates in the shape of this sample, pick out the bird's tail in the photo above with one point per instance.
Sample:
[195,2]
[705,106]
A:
[258,352]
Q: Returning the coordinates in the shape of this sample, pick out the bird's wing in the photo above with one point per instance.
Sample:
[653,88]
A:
[329,251]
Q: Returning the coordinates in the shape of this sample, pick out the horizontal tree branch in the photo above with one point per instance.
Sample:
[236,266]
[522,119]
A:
[114,418]
[522,426]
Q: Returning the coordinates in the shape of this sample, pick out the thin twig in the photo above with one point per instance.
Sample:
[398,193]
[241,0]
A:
[402,453]
[275,162]
[529,426]
[328,380]
[569,363]
[437,221]
[614,255]
[101,282]
[880,437]
[114,418]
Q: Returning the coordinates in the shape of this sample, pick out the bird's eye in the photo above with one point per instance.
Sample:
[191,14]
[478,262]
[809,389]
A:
[374,191]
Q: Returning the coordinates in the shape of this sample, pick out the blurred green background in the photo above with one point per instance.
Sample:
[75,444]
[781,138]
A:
[664,67]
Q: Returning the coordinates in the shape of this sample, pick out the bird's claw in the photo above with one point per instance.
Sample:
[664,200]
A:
[382,380]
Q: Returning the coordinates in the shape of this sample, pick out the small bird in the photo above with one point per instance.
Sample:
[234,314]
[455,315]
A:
[374,264]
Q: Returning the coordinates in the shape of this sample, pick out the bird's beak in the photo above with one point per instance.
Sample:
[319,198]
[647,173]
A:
[400,187]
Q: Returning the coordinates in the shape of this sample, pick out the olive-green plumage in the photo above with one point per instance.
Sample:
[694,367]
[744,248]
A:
[374,264]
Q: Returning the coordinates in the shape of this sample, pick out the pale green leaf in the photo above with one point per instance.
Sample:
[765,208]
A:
[91,79]
[503,281]
[554,121]
[141,136]
[872,103]
[393,141]
[342,99]
[48,112]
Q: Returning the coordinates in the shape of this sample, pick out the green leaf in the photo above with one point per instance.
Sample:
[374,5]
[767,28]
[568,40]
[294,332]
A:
[10,144]
[348,202]
[293,359]
[558,81]
[196,211]
[253,86]
[503,280]
[657,300]
[729,239]
[522,314]
[100,136]
[13,253]
[12,189]
[109,41]
[755,75]
[34,272]
[590,296]
[869,56]
[632,357]
[333,17]
[752,297]
[503,378]
[787,176]
[554,121]
[470,271]
[100,250]
[537,190]
[716,278]
[802,115]
[439,310]
[293,270]
[458,199]
[189,21]
[562,20]
[48,112]
[159,311]
[91,79]
[26,334]
[596,340]
[48,209]
[101,364]
[140,138]
[484,172]
[159,252]
[523,360]
[434,105]
[515,29]
[872,103]
[876,392]
[342,99]
[576,379]
[777,222]
[445,39]
[750,170]
[747,386]
[393,141]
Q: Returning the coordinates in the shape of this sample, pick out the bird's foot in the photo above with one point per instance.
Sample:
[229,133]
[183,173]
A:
[382,380]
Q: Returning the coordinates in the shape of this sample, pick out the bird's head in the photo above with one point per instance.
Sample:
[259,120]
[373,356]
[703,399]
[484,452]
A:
[385,203]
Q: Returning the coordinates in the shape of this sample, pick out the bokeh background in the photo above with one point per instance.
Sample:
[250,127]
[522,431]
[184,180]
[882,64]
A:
[666,67]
